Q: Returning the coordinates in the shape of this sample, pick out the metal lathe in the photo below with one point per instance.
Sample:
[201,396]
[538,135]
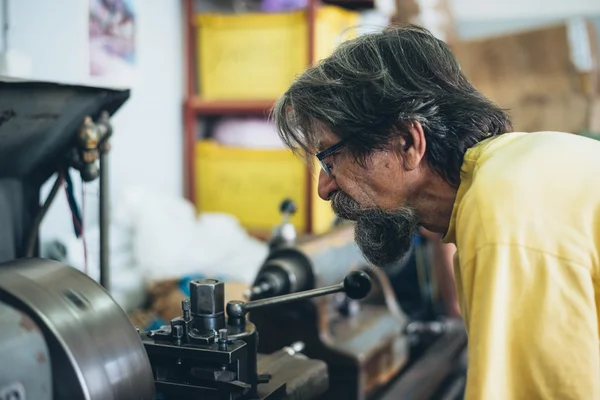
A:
[318,323]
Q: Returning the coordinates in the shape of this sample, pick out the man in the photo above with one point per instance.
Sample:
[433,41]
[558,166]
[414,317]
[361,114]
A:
[423,280]
[406,141]
[442,255]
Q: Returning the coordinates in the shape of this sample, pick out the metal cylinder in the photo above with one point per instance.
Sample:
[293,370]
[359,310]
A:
[207,297]
[95,350]
[281,275]
[104,222]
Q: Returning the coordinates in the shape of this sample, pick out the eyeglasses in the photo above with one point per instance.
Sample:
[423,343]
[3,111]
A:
[322,155]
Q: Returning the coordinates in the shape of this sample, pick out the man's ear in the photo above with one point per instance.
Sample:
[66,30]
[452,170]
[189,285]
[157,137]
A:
[412,144]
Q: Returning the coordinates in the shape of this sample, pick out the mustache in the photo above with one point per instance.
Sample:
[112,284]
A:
[345,206]
[383,236]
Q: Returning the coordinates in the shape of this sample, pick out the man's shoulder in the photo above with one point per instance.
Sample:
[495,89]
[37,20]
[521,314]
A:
[545,143]
[520,162]
[522,183]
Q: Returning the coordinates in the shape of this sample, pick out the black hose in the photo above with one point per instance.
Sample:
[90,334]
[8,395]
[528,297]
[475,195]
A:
[33,235]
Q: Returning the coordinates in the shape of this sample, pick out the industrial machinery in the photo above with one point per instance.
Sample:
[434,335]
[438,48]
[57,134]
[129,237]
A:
[370,344]
[67,339]
[49,128]
[362,342]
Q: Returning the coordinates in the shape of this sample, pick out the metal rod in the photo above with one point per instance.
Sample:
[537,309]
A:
[294,297]
[104,218]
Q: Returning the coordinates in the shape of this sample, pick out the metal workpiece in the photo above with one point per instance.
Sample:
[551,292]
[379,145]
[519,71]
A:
[95,351]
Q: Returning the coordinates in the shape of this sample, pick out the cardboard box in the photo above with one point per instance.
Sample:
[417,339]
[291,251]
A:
[546,78]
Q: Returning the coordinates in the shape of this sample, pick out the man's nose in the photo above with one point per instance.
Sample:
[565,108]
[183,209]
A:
[327,185]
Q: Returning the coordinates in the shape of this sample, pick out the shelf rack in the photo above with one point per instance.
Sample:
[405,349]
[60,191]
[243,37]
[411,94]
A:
[195,107]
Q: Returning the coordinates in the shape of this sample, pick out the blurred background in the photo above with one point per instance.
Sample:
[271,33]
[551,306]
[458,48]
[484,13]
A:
[197,173]
[197,183]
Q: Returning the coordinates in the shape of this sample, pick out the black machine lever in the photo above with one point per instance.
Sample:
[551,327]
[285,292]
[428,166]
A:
[356,285]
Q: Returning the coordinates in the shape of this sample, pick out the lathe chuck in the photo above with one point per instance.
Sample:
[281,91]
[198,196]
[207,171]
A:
[95,351]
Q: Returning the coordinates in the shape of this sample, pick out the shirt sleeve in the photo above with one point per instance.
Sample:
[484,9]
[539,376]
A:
[532,324]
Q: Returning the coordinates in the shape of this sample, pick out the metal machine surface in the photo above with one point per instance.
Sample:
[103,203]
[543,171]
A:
[227,344]
[40,126]
[362,342]
[82,345]
[23,348]
[371,347]
[94,351]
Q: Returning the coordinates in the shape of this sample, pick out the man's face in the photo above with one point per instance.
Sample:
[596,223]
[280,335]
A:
[374,195]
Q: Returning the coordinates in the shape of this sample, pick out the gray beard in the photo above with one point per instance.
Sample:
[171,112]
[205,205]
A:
[384,237]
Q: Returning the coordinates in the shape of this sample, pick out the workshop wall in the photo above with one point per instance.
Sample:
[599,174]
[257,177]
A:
[507,10]
[146,149]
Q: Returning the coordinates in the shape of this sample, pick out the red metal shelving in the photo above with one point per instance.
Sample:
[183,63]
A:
[195,107]
[229,107]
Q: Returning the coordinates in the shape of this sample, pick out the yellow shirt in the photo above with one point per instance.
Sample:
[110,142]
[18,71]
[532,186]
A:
[526,223]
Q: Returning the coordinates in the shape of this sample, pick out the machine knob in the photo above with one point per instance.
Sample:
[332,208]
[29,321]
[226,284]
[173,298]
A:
[287,206]
[357,285]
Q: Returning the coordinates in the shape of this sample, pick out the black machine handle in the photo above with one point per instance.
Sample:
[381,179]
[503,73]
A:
[356,285]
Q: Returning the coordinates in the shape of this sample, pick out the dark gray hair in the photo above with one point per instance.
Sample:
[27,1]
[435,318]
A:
[371,87]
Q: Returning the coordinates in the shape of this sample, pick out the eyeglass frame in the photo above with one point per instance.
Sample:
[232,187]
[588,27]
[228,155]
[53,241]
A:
[331,150]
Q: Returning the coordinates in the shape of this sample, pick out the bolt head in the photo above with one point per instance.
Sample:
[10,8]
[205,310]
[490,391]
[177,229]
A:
[178,331]
[207,296]
[222,335]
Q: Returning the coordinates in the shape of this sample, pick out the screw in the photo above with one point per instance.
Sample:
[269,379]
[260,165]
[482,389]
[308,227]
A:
[186,306]
[223,335]
[223,339]
[178,333]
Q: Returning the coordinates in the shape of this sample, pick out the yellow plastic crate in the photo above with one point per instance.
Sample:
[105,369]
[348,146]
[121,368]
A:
[251,184]
[258,55]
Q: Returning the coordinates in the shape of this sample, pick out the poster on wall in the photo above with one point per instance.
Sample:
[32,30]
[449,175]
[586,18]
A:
[112,34]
